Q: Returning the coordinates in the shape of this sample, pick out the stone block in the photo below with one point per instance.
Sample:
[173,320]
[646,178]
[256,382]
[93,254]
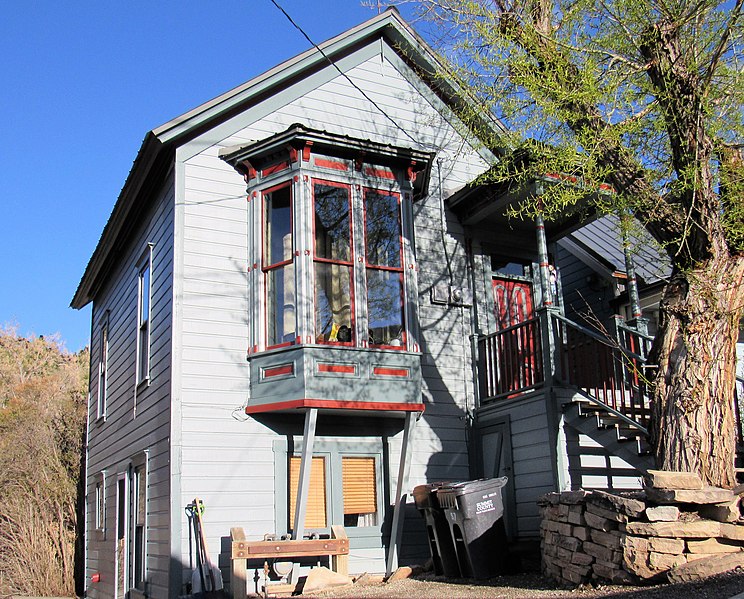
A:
[661,545]
[667,479]
[581,559]
[570,543]
[580,532]
[322,578]
[733,532]
[725,512]
[713,546]
[576,515]
[548,499]
[613,575]
[665,561]
[700,529]
[558,527]
[609,514]
[599,523]
[573,497]
[610,540]
[663,513]
[598,551]
[703,496]
[629,504]
[702,568]
[400,574]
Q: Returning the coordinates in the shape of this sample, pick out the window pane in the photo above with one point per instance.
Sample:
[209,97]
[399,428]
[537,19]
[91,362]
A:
[144,294]
[332,226]
[382,228]
[359,491]
[277,226]
[333,302]
[385,307]
[315,513]
[280,305]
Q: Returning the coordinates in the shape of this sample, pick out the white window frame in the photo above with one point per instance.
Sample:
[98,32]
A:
[99,517]
[144,320]
[141,461]
[103,350]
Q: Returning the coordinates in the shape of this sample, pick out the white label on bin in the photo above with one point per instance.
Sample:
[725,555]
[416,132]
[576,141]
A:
[484,506]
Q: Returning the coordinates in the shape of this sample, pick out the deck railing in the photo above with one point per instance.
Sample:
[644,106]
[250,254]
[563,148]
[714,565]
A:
[510,361]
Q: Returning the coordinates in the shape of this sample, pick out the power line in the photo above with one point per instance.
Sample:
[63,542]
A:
[344,75]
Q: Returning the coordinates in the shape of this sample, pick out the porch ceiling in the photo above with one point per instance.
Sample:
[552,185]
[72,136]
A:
[482,209]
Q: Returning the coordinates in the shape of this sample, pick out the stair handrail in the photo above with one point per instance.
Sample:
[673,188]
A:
[621,324]
[598,337]
[613,411]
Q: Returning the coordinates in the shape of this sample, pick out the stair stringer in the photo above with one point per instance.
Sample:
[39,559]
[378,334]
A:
[596,457]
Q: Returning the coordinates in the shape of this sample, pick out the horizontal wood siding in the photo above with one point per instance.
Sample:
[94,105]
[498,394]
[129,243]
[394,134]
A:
[227,459]
[532,471]
[584,291]
[126,433]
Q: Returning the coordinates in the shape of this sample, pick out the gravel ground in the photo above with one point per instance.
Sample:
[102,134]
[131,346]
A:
[533,586]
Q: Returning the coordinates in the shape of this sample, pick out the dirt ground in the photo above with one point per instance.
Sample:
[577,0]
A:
[534,586]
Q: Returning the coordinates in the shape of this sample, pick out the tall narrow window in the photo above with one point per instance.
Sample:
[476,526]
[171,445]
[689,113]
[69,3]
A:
[100,514]
[316,510]
[278,267]
[102,367]
[140,517]
[384,268]
[143,318]
[333,258]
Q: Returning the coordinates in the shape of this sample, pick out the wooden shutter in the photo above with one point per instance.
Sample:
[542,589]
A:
[359,485]
[315,514]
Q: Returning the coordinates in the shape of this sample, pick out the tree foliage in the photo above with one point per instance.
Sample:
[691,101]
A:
[42,416]
[646,97]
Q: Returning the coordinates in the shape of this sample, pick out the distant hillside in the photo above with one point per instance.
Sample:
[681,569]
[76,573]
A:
[42,420]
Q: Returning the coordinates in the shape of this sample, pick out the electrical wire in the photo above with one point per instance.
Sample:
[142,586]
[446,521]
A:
[345,76]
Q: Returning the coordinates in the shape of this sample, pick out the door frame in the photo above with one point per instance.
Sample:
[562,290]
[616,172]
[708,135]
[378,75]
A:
[483,428]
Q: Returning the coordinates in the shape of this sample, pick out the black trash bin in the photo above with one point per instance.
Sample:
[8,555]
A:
[474,511]
[438,531]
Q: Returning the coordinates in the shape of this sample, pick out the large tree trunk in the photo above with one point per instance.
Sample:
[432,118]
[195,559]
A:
[694,424]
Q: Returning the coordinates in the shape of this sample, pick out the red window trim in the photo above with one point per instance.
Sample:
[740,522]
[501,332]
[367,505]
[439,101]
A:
[349,264]
[399,269]
[267,268]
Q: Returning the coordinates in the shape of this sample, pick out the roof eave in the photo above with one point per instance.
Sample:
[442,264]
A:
[148,153]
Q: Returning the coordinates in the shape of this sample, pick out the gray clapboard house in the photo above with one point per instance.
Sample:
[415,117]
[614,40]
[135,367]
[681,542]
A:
[302,309]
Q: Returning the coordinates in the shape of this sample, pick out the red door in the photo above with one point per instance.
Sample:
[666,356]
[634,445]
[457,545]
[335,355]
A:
[512,302]
[517,362]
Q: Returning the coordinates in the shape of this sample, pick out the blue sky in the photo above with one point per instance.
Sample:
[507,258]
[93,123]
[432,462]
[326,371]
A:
[80,84]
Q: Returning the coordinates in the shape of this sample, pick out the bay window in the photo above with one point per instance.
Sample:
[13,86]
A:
[331,252]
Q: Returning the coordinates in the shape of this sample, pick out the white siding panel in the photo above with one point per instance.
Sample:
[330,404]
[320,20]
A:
[124,435]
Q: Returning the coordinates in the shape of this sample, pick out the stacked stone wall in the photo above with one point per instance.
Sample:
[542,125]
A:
[673,529]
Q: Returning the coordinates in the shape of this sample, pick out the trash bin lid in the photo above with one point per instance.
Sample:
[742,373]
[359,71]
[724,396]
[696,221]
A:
[482,485]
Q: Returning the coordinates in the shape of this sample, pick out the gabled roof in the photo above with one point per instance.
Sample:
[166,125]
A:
[157,150]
